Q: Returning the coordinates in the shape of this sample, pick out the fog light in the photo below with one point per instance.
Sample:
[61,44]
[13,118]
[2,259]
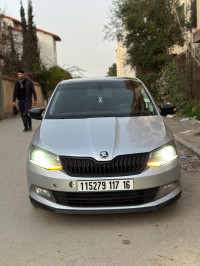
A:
[42,192]
[166,189]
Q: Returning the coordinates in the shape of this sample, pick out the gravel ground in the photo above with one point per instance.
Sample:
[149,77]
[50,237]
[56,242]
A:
[188,129]
[190,161]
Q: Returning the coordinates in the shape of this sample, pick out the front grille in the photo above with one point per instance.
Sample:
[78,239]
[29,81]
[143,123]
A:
[105,199]
[130,164]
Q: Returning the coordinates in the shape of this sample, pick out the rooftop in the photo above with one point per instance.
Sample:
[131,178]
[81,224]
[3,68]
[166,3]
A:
[56,37]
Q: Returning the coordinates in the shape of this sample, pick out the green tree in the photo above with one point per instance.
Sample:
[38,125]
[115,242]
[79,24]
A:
[8,43]
[10,56]
[34,54]
[25,52]
[49,78]
[57,74]
[112,71]
[150,30]
[31,55]
[194,13]
[173,84]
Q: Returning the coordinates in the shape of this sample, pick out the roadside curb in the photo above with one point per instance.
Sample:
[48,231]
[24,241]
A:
[187,144]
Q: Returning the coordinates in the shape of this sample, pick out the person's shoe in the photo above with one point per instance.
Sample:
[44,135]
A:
[25,129]
[29,124]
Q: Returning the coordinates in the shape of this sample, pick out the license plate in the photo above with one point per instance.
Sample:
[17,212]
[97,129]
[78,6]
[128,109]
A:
[104,185]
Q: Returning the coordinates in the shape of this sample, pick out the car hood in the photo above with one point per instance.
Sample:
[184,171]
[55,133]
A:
[88,137]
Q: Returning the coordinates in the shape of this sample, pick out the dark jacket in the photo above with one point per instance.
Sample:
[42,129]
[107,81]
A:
[29,90]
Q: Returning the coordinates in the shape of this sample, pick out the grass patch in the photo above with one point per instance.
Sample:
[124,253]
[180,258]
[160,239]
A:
[197,134]
[192,110]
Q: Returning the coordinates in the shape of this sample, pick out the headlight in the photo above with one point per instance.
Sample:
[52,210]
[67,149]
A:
[162,156]
[44,159]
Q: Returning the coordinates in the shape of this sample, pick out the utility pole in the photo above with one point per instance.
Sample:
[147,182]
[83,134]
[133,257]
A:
[1,97]
[1,83]
[1,66]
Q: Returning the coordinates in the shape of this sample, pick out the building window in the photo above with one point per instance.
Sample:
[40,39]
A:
[194,13]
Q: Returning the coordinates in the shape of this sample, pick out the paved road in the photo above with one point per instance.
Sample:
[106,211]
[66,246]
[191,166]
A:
[31,236]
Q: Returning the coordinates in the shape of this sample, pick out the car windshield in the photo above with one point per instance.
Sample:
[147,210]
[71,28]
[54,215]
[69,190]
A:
[100,99]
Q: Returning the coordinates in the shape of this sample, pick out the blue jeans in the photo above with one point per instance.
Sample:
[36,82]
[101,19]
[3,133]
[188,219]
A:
[24,106]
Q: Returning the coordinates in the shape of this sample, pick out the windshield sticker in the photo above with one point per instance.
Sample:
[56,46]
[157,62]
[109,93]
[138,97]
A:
[100,99]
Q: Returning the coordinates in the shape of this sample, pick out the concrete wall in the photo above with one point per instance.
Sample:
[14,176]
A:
[8,86]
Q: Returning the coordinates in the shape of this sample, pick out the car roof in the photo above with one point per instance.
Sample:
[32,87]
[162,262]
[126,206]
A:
[91,80]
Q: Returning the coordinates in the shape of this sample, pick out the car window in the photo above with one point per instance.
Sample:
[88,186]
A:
[100,99]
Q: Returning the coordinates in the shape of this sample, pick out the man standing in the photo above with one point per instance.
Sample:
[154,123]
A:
[23,92]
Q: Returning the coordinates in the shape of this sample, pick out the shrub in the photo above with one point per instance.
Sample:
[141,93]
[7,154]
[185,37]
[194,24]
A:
[192,110]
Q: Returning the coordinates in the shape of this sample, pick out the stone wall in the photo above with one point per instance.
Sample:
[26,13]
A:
[8,86]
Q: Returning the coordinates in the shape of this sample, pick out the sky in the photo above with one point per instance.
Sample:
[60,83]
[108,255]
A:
[79,24]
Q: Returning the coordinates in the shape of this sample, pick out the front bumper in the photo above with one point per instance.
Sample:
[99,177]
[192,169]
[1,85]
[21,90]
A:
[59,181]
[147,207]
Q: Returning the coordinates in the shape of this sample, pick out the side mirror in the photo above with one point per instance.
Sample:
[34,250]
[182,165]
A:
[36,113]
[167,109]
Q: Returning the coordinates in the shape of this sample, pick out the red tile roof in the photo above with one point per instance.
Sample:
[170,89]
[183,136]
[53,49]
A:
[56,37]
[15,28]
[13,19]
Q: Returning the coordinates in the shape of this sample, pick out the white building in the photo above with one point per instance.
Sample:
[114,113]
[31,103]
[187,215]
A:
[46,40]
[123,69]
[47,43]
[196,35]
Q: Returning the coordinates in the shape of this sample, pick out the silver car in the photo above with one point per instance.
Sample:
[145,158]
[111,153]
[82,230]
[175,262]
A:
[102,147]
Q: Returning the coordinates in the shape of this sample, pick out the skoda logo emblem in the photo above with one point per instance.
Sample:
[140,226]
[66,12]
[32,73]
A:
[104,154]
